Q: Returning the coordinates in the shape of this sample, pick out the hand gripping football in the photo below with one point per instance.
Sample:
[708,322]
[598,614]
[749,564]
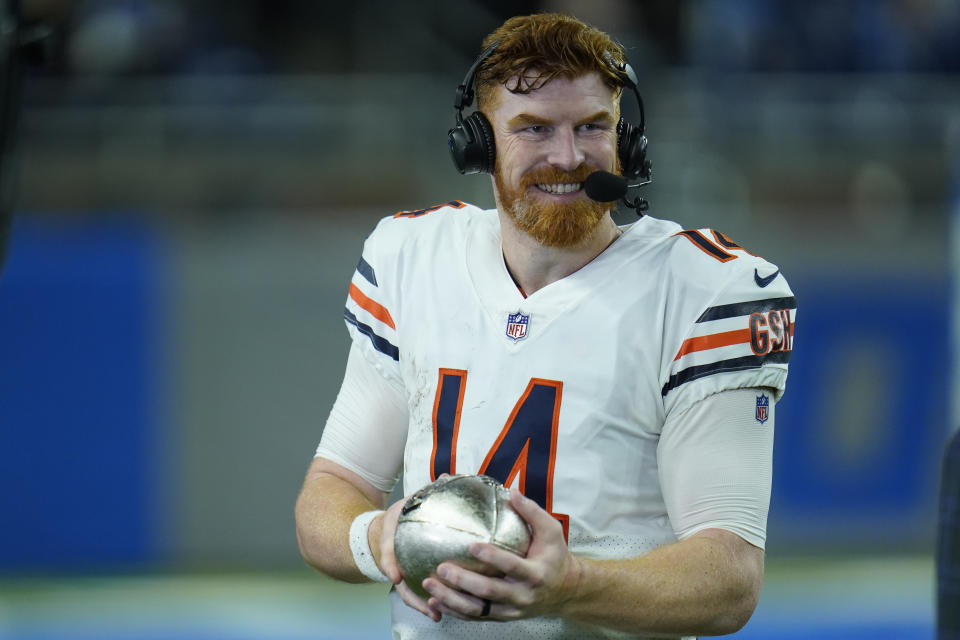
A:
[440,522]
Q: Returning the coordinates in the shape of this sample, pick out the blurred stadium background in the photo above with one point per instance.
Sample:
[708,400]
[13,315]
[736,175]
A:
[194,183]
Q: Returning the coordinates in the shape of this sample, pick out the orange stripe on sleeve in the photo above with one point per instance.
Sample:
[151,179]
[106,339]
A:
[372,307]
[712,341]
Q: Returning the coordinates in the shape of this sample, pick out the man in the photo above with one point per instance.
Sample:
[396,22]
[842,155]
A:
[621,380]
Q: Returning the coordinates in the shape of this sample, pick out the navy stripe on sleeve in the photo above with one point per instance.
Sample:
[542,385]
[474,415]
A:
[697,238]
[734,364]
[364,269]
[380,343]
[746,308]
[725,241]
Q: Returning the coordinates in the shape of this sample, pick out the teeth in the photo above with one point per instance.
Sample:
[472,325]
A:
[568,187]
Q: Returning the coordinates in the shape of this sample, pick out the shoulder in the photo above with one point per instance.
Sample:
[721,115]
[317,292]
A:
[722,279]
[712,256]
[421,240]
[401,249]
[730,315]
[708,265]
[447,216]
[406,233]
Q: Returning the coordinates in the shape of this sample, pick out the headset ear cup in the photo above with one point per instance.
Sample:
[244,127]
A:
[638,156]
[471,145]
[645,165]
[457,142]
[632,150]
[624,134]
[486,148]
[462,150]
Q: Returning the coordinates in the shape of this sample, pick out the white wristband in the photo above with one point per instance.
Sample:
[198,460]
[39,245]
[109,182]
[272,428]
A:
[360,547]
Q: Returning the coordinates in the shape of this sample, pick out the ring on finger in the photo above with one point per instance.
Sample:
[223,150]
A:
[486,608]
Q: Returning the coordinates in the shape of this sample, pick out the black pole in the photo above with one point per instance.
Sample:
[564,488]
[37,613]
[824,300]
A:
[948,542]
[25,40]
[11,81]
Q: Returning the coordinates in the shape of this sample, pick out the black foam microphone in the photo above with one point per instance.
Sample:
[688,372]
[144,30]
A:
[603,186]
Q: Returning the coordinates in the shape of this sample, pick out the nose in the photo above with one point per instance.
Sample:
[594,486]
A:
[565,152]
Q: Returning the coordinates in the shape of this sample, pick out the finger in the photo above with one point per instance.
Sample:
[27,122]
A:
[506,563]
[453,601]
[497,611]
[388,557]
[447,611]
[416,602]
[509,593]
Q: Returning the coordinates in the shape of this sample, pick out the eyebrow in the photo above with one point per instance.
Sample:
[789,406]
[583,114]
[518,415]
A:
[528,120]
[600,116]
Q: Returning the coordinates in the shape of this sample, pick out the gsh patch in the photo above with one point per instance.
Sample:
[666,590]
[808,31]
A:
[517,326]
[763,408]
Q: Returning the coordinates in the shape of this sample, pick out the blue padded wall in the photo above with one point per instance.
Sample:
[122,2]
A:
[78,337]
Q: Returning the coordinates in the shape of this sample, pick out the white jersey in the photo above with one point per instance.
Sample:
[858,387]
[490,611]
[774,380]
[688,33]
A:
[564,392]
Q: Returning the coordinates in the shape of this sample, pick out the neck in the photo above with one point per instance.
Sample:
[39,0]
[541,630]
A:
[534,266]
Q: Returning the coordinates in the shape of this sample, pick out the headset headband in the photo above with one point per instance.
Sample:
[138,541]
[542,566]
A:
[466,91]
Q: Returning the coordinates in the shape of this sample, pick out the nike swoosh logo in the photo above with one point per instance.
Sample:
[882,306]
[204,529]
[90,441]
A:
[762,282]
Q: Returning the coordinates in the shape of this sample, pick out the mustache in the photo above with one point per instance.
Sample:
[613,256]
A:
[552,175]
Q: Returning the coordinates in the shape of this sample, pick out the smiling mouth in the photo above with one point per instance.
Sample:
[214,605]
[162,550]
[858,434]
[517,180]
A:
[561,188]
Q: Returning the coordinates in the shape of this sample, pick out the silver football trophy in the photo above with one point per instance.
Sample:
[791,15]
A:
[440,522]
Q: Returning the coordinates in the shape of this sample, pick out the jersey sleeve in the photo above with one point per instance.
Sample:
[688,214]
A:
[367,427]
[733,330]
[372,309]
[715,463]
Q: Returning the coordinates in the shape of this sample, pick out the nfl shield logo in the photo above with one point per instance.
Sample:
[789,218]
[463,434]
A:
[517,326]
[763,408]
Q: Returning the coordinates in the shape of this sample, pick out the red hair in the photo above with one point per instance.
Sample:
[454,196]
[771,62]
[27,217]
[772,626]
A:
[535,49]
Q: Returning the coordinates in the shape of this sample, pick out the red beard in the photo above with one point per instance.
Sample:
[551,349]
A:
[551,224]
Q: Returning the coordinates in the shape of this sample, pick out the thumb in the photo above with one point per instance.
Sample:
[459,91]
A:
[388,558]
[530,511]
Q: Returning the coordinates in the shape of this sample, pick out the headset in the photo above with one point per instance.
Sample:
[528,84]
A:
[471,139]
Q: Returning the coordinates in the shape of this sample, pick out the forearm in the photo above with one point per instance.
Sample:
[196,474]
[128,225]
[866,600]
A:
[325,509]
[707,584]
